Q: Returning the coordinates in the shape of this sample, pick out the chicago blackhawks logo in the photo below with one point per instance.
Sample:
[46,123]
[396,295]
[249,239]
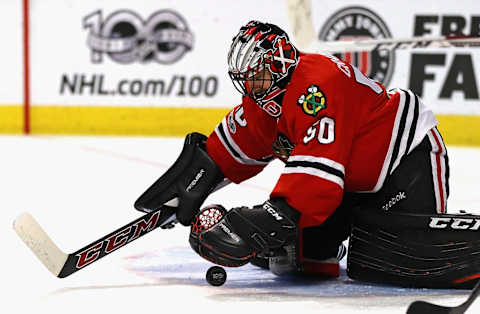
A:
[357,23]
[313,101]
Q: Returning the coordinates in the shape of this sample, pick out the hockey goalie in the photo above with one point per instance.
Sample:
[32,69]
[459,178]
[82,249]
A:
[361,163]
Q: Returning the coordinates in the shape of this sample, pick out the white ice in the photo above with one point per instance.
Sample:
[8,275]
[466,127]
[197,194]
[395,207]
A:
[81,188]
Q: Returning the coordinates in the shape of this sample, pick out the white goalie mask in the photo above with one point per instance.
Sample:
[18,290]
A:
[261,46]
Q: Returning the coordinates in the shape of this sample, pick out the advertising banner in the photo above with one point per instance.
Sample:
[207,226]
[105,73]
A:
[160,67]
[446,78]
[124,53]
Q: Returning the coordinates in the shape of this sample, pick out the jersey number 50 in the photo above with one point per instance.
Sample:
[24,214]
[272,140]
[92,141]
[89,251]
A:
[324,129]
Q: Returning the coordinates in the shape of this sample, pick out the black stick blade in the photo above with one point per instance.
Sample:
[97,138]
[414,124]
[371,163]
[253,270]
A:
[422,307]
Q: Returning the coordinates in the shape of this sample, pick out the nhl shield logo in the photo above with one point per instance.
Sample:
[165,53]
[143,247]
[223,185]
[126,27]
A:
[357,23]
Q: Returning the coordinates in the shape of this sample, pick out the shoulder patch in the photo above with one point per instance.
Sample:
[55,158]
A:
[313,101]
[282,147]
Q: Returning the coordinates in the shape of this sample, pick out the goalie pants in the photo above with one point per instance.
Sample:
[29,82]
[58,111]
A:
[418,185]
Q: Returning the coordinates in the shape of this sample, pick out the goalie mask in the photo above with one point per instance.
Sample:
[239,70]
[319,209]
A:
[261,60]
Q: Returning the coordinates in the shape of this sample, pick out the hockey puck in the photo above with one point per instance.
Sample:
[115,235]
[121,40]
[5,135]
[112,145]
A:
[216,276]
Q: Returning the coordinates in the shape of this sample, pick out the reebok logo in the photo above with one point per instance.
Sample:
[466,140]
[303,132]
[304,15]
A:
[394,200]
[195,180]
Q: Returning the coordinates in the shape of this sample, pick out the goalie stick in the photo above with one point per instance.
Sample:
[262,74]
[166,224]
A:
[421,307]
[304,35]
[62,264]
[394,44]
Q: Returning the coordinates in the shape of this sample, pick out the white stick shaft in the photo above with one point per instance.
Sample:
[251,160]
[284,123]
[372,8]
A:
[392,44]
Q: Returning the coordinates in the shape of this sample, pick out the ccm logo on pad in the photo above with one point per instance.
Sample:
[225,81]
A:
[454,223]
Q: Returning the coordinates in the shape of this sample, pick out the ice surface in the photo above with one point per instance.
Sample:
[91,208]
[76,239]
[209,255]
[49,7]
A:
[81,188]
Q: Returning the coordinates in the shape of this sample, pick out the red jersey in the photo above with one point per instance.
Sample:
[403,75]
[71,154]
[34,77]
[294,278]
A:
[336,130]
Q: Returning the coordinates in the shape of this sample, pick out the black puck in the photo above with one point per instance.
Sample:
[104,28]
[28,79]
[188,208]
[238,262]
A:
[216,276]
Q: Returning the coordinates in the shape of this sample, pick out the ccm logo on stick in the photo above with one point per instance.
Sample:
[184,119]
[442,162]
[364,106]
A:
[454,223]
[116,241]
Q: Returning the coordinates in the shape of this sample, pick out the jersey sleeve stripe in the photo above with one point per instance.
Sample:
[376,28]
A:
[438,169]
[323,167]
[411,116]
[320,160]
[413,127]
[446,169]
[388,157]
[403,134]
[400,142]
[316,166]
[442,147]
[233,149]
[315,172]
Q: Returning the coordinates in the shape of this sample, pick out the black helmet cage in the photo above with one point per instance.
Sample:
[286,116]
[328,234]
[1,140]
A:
[256,47]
